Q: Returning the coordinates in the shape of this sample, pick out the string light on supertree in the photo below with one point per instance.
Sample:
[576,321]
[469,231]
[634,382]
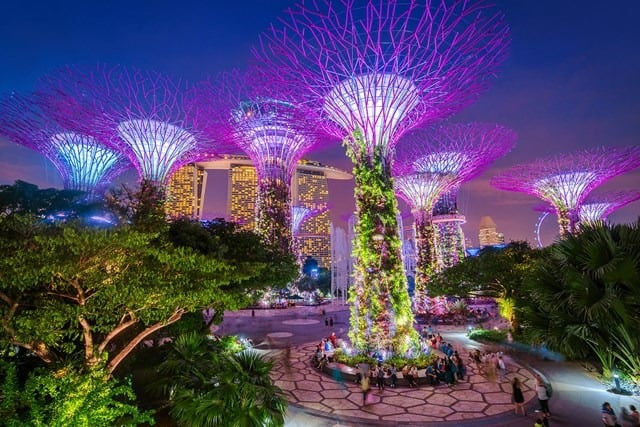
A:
[465,151]
[596,208]
[564,181]
[421,190]
[370,71]
[272,131]
[143,114]
[84,162]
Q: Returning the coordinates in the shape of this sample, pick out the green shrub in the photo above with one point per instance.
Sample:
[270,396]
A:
[421,361]
[487,335]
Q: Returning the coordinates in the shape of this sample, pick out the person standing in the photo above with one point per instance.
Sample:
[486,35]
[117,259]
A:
[393,373]
[502,368]
[517,396]
[380,377]
[543,396]
[364,385]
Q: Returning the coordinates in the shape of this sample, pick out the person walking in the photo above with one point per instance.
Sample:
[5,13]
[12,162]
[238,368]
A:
[364,385]
[543,396]
[517,397]
[502,368]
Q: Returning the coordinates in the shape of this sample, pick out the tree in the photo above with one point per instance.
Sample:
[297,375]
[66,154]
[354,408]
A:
[213,384]
[67,290]
[66,397]
[495,273]
[584,298]
[141,207]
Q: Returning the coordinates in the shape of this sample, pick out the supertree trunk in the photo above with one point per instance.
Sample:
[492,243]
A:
[381,317]
[564,222]
[273,221]
[426,254]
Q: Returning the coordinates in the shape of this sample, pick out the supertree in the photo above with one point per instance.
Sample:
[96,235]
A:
[369,72]
[421,190]
[271,130]
[598,207]
[564,181]
[142,114]
[463,150]
[84,162]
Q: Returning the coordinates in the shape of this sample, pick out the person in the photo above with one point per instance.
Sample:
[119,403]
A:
[517,396]
[380,377]
[334,340]
[364,385]
[393,373]
[412,376]
[543,396]
[502,368]
[609,418]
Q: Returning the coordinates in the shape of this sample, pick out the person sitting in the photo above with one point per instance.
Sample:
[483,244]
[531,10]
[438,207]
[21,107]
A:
[393,374]
[431,374]
[412,376]
[323,362]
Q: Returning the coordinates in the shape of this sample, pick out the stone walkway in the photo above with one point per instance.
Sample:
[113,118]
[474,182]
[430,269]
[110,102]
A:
[474,398]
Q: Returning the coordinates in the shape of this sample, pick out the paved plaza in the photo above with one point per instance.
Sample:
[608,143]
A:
[316,399]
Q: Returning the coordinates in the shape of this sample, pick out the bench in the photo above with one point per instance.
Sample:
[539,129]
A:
[349,373]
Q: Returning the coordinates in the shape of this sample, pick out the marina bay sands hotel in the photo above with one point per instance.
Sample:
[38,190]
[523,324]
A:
[186,195]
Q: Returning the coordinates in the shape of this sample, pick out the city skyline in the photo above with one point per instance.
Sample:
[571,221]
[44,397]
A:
[570,82]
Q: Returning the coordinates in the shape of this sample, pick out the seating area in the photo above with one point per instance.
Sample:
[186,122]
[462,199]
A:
[350,374]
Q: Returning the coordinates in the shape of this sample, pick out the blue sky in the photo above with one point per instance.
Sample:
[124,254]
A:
[572,79]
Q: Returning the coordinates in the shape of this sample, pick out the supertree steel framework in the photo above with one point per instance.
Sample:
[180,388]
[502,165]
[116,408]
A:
[84,162]
[272,131]
[564,181]
[421,190]
[465,151]
[369,71]
[142,114]
[598,207]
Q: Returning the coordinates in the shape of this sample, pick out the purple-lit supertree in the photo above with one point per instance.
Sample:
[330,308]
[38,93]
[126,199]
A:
[421,190]
[272,131]
[564,181]
[598,207]
[369,72]
[142,114]
[84,162]
[465,151]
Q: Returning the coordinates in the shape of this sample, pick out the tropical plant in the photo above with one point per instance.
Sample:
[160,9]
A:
[210,384]
[492,335]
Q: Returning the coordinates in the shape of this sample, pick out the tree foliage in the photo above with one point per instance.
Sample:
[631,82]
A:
[73,293]
[212,384]
[584,299]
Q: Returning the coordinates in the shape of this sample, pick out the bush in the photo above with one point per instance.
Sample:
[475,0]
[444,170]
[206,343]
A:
[487,335]
[421,361]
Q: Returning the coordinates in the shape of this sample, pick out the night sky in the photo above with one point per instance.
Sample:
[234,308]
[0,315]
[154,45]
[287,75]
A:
[572,80]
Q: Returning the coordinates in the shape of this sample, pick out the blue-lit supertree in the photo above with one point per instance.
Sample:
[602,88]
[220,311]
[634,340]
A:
[370,71]
[257,116]
[143,114]
[465,151]
[84,161]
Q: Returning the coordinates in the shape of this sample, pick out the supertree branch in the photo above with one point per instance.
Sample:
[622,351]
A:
[598,207]
[384,67]
[260,120]
[564,181]
[143,114]
[421,191]
[381,316]
[84,162]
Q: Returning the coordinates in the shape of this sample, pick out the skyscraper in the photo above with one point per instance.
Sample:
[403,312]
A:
[309,189]
[184,192]
[488,233]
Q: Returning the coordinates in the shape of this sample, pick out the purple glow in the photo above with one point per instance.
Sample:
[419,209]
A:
[565,181]
[384,67]
[84,162]
[599,207]
[142,114]
[422,190]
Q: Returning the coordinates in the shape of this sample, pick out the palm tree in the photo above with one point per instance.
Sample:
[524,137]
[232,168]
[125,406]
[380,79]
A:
[210,385]
[584,298]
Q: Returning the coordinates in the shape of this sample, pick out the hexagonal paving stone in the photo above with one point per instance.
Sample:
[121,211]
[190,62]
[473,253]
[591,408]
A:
[493,398]
[487,387]
[471,395]
[403,401]
[384,409]
[498,409]
[464,406]
[307,396]
[308,385]
[431,410]
[340,404]
[441,399]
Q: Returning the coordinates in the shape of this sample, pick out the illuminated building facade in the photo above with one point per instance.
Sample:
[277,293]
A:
[184,191]
[488,233]
[309,189]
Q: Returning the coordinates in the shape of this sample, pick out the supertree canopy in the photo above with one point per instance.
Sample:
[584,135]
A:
[272,131]
[370,72]
[598,207]
[465,151]
[564,181]
[84,162]
[421,190]
[142,114]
